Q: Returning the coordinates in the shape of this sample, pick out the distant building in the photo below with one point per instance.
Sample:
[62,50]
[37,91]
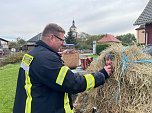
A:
[141,34]
[3,46]
[108,38]
[83,36]
[32,42]
[3,43]
[146,19]
[73,29]
[76,34]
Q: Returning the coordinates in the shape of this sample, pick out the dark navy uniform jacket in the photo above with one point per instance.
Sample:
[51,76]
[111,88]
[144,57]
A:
[45,85]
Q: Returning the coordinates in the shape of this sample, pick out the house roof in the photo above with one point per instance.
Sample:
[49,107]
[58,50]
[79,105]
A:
[108,38]
[4,40]
[141,27]
[146,15]
[35,38]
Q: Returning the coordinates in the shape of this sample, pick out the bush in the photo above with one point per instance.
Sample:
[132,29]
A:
[12,58]
[100,48]
[83,47]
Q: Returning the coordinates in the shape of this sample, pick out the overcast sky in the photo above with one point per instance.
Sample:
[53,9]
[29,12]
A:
[27,18]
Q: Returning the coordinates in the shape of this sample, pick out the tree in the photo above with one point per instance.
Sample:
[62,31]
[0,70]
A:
[92,38]
[70,39]
[127,39]
[17,44]
[13,45]
[20,41]
[87,44]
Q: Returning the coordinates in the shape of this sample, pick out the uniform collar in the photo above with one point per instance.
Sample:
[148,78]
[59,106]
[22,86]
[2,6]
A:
[41,43]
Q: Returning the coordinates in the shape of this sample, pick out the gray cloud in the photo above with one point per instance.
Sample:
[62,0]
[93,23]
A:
[27,18]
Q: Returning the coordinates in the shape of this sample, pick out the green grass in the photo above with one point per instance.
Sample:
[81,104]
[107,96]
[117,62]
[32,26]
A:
[94,56]
[8,78]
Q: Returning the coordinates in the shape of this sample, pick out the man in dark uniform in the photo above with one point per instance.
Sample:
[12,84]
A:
[44,84]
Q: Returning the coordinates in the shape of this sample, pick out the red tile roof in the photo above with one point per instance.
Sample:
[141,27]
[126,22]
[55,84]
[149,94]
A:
[108,38]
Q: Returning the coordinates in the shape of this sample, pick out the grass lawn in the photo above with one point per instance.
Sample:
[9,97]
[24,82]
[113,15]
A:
[8,78]
[94,56]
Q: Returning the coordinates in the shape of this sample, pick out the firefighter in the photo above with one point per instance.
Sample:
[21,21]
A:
[44,83]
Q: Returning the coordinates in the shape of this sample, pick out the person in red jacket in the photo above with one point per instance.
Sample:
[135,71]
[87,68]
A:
[45,84]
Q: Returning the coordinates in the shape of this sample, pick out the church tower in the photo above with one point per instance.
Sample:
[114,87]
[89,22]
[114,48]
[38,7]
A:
[73,29]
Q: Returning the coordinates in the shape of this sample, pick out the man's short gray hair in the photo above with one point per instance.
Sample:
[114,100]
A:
[52,28]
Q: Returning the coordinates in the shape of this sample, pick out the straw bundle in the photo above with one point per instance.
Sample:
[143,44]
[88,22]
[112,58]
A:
[128,90]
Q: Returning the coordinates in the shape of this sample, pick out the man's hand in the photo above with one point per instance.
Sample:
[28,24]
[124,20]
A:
[108,69]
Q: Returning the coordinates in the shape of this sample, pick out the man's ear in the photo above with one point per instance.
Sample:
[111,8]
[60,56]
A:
[50,38]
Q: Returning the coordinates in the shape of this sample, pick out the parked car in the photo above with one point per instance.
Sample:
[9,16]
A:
[149,49]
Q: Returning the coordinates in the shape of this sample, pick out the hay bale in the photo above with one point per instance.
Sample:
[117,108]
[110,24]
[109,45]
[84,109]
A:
[128,90]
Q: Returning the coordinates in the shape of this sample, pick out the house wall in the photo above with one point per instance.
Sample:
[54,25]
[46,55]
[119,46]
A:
[3,48]
[4,44]
[148,29]
[141,36]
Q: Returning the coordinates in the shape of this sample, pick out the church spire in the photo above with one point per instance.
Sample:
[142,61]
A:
[73,23]
[73,29]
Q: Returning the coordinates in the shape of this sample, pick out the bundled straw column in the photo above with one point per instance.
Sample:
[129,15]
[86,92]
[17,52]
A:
[128,90]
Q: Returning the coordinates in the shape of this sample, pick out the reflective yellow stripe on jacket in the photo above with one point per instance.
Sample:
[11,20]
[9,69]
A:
[90,81]
[61,75]
[26,61]
[60,80]
[66,104]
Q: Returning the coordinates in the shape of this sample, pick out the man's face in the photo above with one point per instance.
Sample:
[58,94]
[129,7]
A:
[109,59]
[58,41]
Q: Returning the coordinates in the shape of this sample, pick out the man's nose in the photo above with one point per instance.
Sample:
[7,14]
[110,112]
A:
[62,43]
